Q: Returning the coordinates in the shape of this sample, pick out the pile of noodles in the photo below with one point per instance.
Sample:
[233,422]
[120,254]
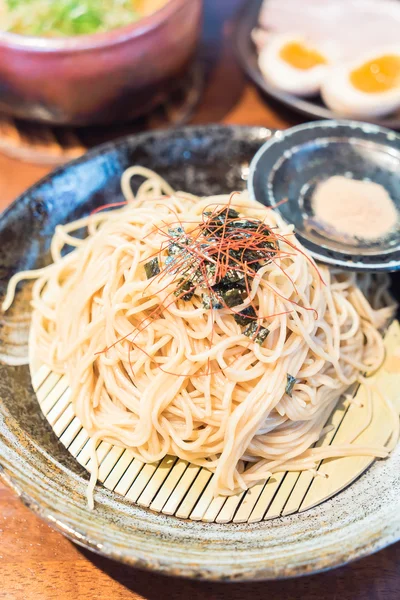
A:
[159,375]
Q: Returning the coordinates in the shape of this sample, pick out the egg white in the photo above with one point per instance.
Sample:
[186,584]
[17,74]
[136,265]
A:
[280,74]
[343,98]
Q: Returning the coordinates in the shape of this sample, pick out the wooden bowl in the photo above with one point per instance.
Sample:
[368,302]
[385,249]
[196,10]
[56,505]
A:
[99,78]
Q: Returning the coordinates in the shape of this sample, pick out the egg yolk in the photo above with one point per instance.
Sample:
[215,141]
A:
[300,56]
[378,75]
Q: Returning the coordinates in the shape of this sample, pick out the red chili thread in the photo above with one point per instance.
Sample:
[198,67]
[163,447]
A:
[205,233]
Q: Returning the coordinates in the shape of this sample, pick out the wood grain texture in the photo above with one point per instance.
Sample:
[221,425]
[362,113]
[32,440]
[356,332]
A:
[38,564]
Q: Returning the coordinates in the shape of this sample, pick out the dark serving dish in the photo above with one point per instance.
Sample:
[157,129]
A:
[245,22]
[360,520]
[98,78]
[291,165]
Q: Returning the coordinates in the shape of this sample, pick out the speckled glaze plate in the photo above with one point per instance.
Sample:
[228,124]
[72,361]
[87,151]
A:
[245,22]
[360,520]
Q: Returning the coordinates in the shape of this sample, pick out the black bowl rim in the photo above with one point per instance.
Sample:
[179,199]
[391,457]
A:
[340,259]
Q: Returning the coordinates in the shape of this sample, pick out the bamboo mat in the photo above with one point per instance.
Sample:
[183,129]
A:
[175,487]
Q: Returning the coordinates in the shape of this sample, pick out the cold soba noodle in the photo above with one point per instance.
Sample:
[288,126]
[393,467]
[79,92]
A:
[199,327]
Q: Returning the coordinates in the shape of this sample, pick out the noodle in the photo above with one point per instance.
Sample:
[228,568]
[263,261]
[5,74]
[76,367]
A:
[160,373]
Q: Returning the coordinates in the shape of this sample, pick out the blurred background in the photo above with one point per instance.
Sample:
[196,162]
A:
[80,72]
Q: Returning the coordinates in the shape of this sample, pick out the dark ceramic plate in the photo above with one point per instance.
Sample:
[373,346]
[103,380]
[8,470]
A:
[362,519]
[245,22]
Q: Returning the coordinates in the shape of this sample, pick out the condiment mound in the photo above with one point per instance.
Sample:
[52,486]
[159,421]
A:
[352,209]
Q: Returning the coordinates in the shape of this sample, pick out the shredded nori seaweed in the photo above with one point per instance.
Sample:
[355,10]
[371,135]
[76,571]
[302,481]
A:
[290,384]
[210,300]
[256,332]
[185,289]
[230,289]
[246,316]
[232,296]
[232,276]
[152,268]
[215,223]
[174,249]
[176,231]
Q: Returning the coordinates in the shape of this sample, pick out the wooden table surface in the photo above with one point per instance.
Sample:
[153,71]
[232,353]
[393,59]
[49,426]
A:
[38,564]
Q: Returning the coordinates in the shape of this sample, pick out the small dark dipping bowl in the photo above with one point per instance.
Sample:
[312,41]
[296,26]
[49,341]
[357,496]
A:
[98,78]
[295,161]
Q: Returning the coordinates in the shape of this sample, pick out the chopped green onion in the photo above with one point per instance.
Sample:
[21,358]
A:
[66,17]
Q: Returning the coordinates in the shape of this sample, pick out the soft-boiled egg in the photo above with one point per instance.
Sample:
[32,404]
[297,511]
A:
[292,65]
[368,87]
